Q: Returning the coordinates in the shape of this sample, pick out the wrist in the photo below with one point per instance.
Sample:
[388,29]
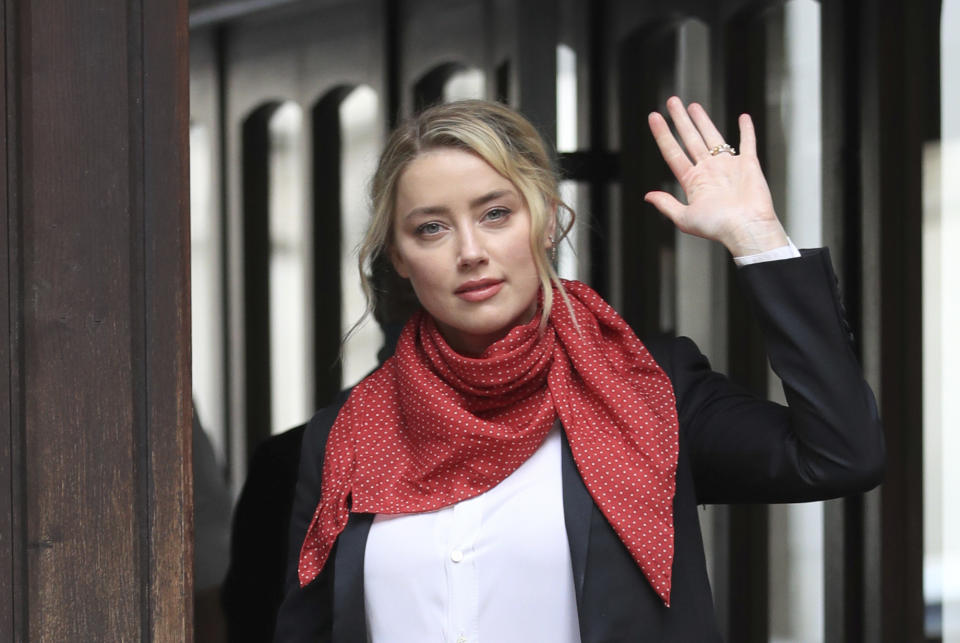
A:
[756,237]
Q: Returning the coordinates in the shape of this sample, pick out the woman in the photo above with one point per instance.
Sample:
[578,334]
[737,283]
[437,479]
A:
[524,468]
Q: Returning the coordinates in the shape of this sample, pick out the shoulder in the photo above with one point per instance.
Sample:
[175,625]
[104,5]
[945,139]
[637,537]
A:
[677,356]
[318,428]
[694,381]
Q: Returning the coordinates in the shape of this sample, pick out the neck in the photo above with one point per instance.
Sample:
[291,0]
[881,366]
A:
[475,344]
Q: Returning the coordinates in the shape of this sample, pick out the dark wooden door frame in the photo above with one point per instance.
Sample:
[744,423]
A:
[96,509]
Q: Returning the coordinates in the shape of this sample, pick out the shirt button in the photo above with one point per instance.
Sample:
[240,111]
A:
[456,555]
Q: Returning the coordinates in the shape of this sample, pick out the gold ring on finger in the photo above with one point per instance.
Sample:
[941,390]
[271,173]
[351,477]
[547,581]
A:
[726,147]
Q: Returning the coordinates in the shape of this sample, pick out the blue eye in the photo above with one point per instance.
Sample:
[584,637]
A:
[429,228]
[497,214]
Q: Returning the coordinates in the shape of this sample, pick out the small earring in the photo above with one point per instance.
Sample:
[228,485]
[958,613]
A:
[553,252]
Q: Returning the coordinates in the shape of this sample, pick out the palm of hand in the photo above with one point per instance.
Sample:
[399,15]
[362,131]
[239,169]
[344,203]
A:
[728,199]
[723,193]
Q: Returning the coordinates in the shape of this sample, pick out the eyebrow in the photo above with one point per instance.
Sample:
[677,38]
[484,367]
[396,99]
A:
[489,196]
[475,203]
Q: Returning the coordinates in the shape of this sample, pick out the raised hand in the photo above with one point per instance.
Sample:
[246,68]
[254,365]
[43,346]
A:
[728,199]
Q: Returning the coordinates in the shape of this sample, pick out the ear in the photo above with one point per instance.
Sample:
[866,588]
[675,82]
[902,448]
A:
[551,228]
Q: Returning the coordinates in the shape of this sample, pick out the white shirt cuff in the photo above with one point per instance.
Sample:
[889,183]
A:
[788,251]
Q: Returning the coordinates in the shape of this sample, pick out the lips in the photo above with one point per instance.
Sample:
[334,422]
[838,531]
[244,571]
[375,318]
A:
[479,289]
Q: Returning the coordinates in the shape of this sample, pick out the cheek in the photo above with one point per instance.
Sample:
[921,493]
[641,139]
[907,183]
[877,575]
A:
[424,273]
[405,259]
[520,255]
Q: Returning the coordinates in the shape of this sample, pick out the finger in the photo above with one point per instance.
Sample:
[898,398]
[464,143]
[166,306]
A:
[711,135]
[670,150]
[667,204]
[689,134]
[748,137]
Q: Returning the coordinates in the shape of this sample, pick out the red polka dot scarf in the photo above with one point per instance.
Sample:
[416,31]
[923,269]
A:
[431,428]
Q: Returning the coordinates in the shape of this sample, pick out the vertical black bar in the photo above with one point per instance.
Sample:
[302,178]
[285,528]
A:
[394,300]
[327,213]
[898,141]
[537,31]
[899,91]
[749,611]
[647,77]
[844,553]
[599,187]
[503,82]
[392,66]
[256,273]
[428,90]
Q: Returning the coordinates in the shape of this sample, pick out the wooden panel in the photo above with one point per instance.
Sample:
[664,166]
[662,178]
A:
[100,466]
[78,262]
[166,278]
[11,434]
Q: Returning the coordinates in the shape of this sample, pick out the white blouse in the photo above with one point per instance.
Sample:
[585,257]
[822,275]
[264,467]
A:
[494,568]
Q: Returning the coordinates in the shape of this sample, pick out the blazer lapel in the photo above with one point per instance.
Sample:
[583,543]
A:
[349,614]
[577,511]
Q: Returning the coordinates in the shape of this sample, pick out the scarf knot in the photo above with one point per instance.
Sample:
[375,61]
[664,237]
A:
[509,370]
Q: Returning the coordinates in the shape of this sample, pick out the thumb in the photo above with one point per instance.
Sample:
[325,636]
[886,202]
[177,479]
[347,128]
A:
[666,203]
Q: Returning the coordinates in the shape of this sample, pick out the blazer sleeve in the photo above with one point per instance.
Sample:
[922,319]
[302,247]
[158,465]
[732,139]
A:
[306,612]
[828,441]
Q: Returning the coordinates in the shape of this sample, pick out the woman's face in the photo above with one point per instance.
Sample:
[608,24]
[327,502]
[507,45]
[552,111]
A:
[461,236]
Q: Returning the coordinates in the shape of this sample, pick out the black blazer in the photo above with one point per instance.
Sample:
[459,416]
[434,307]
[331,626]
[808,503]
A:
[734,448]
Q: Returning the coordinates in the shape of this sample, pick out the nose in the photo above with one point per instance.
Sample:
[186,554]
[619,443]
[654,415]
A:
[472,251]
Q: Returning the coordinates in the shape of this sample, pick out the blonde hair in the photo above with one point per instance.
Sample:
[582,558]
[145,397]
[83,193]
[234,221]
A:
[501,137]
